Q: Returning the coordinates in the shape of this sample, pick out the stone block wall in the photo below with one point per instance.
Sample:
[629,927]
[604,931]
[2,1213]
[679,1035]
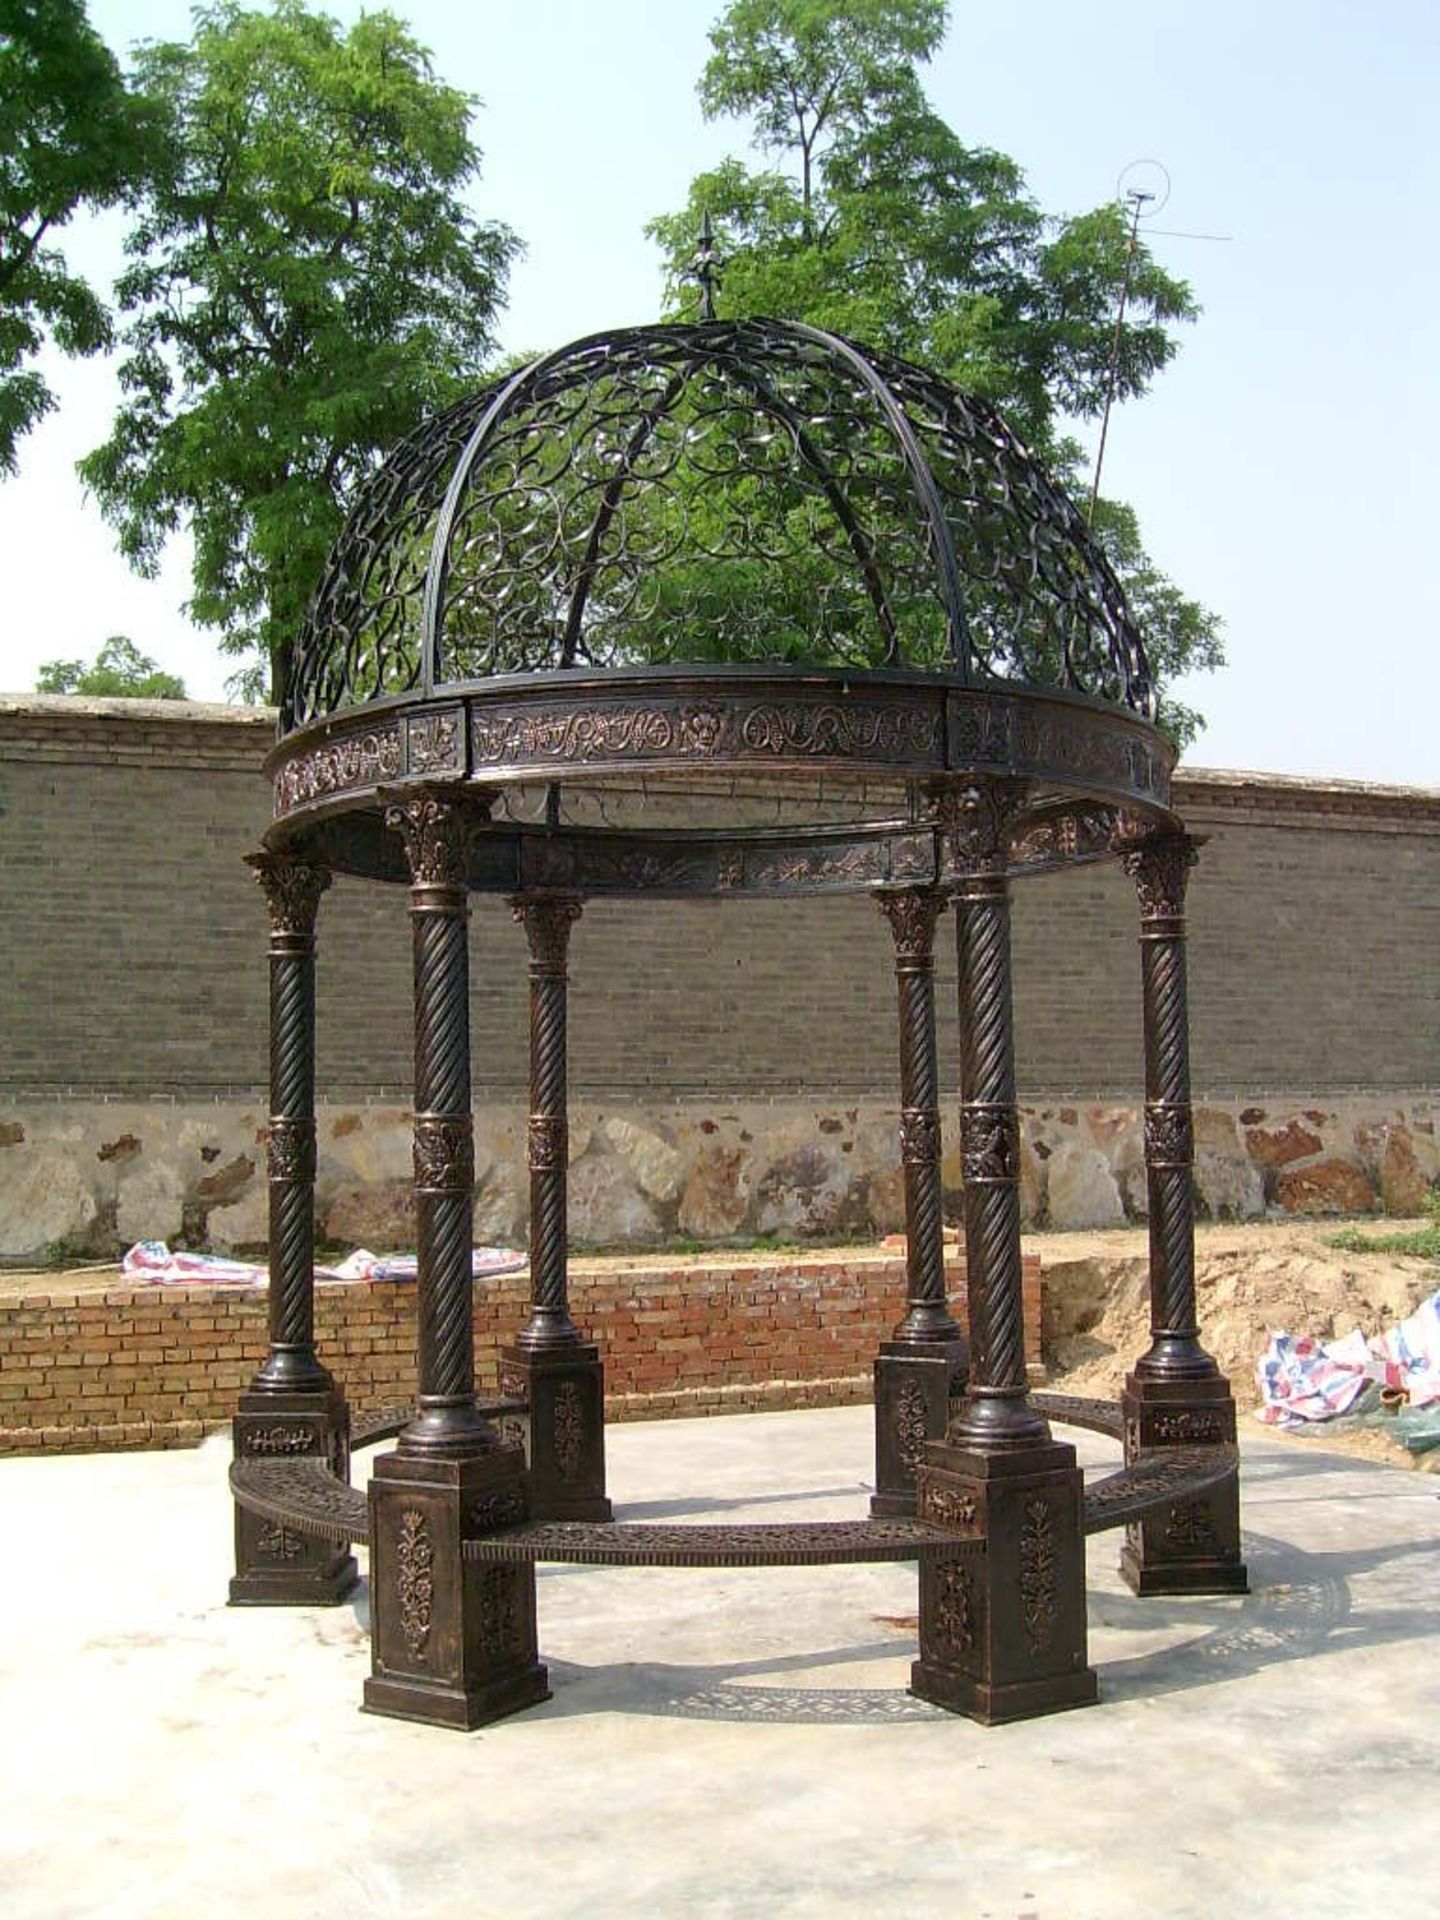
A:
[733,1064]
[126,1366]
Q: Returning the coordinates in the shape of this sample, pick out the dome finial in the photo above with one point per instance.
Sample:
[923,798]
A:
[705,268]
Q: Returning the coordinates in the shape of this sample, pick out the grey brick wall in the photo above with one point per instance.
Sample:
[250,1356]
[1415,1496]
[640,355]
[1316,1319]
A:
[132,946]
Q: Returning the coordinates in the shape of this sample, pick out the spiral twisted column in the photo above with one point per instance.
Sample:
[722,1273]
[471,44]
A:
[436,830]
[996,1412]
[292,1394]
[1160,868]
[552,1366]
[292,889]
[912,913]
[548,920]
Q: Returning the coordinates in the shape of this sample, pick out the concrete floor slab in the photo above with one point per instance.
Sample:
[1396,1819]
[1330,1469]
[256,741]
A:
[725,1743]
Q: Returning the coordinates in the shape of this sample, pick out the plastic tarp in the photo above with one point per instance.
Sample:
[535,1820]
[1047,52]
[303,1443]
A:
[152,1260]
[1304,1380]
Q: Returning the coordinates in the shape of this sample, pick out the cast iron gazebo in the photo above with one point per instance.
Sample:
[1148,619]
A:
[729,609]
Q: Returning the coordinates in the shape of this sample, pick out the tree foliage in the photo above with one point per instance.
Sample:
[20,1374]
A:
[118,672]
[872,218]
[306,282]
[71,135]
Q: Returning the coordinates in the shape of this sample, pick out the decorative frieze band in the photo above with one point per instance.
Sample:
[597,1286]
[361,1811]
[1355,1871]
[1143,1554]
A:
[1169,1135]
[338,766]
[989,1144]
[444,1153]
[547,1141]
[290,1149]
[576,734]
[919,1136]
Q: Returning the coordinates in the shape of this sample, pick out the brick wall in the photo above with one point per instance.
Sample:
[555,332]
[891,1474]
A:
[161,1366]
[132,943]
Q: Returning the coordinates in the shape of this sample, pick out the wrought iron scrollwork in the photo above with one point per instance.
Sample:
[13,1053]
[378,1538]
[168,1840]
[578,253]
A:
[742,491]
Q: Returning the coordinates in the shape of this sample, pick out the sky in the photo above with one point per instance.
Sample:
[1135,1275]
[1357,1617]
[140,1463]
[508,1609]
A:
[1284,465]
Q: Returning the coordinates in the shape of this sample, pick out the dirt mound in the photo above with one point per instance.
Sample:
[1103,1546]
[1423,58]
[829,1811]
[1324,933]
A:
[1249,1281]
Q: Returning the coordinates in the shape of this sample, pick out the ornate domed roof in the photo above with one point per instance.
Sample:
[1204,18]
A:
[748,493]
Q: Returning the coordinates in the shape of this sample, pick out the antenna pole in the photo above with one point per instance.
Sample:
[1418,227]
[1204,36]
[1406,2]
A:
[1137,201]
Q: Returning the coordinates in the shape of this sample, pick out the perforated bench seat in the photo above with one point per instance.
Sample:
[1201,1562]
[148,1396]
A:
[305,1494]
[815,1543]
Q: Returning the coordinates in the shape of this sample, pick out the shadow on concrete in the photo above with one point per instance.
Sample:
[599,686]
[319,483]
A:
[719,1693]
[669,1509]
[1301,1609]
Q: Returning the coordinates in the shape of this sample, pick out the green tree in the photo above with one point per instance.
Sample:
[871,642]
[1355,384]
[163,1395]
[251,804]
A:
[306,283]
[71,135]
[118,672]
[873,219]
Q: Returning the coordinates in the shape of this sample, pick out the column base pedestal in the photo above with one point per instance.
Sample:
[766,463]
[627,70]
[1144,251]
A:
[453,1641]
[1002,1622]
[442,1707]
[914,1384]
[276,1565]
[993,1706]
[563,1427]
[1191,1544]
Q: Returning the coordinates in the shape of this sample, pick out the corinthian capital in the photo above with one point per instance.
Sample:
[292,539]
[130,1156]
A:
[293,887]
[1160,868]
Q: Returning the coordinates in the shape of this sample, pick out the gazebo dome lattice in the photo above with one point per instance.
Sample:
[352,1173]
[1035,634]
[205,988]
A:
[748,492]
[716,610]
[728,579]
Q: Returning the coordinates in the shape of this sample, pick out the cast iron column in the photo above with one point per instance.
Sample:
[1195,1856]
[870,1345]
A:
[922,1365]
[1160,868]
[452,1640]
[1002,1634]
[552,1367]
[292,1407]
[996,1411]
[547,920]
[448,1422]
[1176,1394]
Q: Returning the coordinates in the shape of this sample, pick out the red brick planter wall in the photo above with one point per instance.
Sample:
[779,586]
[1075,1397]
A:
[92,1367]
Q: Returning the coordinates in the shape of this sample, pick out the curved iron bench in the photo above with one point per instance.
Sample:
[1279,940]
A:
[385,1424]
[302,1493]
[1159,1475]
[811,1543]
[305,1494]
[1073,1410]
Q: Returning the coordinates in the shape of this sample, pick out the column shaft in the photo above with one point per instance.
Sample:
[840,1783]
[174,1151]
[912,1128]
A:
[996,1412]
[436,832]
[1160,869]
[547,920]
[912,914]
[292,1402]
[292,891]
